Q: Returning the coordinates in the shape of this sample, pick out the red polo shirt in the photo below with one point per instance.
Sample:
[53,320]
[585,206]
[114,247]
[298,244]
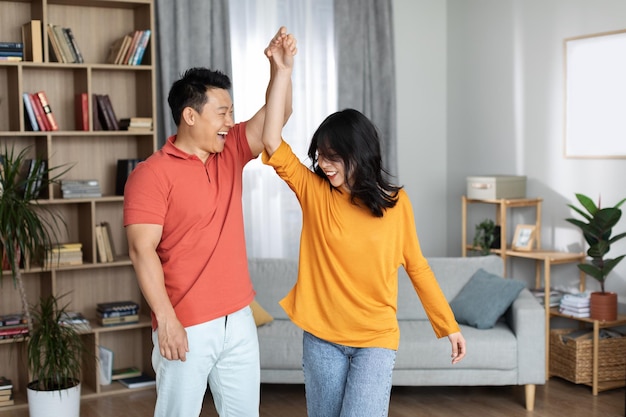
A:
[199,205]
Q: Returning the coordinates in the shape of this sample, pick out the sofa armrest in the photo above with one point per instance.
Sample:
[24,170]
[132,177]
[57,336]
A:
[526,317]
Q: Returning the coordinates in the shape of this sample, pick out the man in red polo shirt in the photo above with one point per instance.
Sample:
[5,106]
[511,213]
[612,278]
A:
[184,223]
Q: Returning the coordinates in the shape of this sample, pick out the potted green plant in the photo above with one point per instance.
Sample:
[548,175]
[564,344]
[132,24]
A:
[597,229]
[27,228]
[54,353]
[486,236]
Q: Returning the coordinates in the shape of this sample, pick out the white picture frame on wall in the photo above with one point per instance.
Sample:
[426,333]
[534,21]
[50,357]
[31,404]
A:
[595,96]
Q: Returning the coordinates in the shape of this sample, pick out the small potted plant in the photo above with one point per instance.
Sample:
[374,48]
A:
[55,352]
[487,236]
[597,229]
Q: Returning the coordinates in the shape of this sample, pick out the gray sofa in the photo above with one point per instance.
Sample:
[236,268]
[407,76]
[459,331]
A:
[511,353]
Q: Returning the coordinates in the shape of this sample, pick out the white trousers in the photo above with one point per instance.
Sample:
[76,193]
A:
[223,352]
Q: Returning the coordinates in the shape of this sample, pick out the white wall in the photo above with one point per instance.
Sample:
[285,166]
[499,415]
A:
[480,91]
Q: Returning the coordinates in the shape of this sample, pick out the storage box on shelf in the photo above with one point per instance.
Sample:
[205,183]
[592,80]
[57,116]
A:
[93,154]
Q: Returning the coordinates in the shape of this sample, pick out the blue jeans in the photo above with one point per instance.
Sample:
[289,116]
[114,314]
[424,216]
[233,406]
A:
[342,381]
[223,352]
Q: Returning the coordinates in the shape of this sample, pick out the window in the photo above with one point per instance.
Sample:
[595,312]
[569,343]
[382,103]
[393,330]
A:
[272,215]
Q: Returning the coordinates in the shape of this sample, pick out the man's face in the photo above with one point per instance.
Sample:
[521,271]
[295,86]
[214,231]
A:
[215,120]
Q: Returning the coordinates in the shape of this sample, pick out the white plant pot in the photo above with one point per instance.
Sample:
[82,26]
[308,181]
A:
[64,403]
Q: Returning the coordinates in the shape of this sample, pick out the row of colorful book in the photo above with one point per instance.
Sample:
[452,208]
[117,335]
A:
[38,112]
[129,49]
[6,392]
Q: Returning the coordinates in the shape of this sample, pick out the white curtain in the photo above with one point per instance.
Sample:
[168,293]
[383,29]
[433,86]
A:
[271,212]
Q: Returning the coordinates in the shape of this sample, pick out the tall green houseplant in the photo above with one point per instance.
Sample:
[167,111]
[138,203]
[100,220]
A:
[27,228]
[597,228]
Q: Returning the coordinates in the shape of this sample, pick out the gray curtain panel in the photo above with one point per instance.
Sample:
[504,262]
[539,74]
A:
[191,33]
[366,67]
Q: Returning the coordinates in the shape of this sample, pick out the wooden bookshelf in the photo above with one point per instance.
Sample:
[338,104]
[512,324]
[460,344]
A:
[96,24]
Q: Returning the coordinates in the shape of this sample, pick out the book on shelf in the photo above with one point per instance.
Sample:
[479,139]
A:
[127,372]
[31,118]
[117,306]
[30,181]
[95,113]
[45,103]
[106,365]
[116,321]
[81,111]
[12,319]
[71,39]
[142,44]
[100,246]
[108,241]
[65,255]
[11,58]
[124,168]
[89,188]
[138,124]
[11,46]
[76,320]
[40,115]
[118,49]
[140,381]
[131,49]
[106,114]
[32,39]
[5,383]
[67,55]
[55,48]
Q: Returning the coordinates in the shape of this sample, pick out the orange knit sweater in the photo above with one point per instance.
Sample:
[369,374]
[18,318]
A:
[347,285]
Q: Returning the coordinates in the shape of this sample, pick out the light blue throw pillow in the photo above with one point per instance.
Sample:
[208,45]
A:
[484,299]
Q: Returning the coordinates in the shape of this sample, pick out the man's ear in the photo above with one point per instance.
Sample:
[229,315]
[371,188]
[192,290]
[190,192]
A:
[189,116]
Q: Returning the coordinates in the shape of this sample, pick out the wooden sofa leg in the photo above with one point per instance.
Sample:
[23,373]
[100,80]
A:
[530,396]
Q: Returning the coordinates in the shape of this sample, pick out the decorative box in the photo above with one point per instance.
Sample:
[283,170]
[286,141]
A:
[495,187]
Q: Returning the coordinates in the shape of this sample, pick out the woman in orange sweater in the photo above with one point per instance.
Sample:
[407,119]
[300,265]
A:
[357,230]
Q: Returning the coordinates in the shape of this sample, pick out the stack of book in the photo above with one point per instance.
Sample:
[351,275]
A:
[117,313]
[575,305]
[80,188]
[65,254]
[129,49]
[76,320]
[555,296]
[6,392]
[11,51]
[136,124]
[38,112]
[64,47]
[12,326]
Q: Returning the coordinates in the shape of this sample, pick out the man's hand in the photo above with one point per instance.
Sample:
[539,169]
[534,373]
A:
[173,343]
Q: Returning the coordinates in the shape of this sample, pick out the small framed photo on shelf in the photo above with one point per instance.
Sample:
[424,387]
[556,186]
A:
[524,237]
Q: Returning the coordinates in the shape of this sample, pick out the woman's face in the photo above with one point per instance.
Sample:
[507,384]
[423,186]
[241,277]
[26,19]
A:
[334,169]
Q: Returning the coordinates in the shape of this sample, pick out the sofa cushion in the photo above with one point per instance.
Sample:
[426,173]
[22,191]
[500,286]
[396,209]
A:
[484,299]
[451,273]
[261,316]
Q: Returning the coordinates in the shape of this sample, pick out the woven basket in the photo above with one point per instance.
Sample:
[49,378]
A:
[573,359]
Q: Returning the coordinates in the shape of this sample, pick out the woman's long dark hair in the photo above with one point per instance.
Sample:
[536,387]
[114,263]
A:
[349,136]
